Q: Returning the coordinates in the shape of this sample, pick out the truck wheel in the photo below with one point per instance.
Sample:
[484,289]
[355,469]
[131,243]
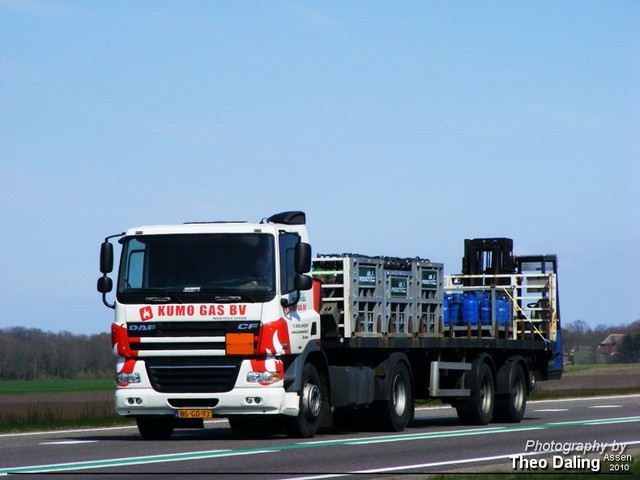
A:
[510,408]
[478,408]
[155,427]
[395,413]
[305,425]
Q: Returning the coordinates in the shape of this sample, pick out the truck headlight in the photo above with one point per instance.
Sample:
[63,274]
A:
[263,377]
[128,378]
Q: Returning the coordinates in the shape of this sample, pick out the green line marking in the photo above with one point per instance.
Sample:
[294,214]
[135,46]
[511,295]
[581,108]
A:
[180,457]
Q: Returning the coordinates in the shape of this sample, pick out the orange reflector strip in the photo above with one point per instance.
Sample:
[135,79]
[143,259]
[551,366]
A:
[240,344]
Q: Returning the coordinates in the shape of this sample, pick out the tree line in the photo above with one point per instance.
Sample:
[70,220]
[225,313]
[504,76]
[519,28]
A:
[32,354]
[579,336]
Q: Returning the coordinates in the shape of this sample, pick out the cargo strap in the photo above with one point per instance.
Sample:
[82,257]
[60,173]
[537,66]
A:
[527,319]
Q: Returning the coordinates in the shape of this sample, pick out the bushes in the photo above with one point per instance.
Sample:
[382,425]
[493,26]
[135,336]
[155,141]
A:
[629,350]
[31,354]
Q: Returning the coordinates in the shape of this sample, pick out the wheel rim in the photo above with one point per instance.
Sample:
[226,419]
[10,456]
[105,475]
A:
[399,393]
[311,400]
[485,396]
[518,397]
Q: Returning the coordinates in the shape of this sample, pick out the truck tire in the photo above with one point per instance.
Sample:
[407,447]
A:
[305,424]
[510,408]
[478,408]
[394,414]
[155,427]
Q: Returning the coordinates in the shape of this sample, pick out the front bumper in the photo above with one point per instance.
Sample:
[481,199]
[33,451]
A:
[240,401]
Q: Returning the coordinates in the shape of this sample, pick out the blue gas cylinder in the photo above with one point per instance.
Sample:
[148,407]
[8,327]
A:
[485,308]
[446,309]
[455,312]
[470,310]
[503,312]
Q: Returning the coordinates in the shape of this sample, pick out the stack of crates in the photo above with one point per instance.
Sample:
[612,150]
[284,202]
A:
[400,295]
[429,301]
[365,296]
[382,296]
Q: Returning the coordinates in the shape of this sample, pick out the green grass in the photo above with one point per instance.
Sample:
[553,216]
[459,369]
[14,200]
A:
[590,358]
[555,394]
[596,366]
[13,387]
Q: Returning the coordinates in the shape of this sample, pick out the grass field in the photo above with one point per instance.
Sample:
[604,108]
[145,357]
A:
[48,404]
[594,366]
[16,387]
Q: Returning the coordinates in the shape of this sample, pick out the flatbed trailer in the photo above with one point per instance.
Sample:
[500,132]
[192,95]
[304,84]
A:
[380,307]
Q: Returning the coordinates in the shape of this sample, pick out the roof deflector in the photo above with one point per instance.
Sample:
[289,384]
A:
[288,218]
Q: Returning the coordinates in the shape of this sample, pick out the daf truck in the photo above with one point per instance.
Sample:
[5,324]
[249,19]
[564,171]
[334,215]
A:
[238,320]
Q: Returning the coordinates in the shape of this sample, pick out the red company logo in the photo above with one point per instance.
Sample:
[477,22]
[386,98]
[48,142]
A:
[146,313]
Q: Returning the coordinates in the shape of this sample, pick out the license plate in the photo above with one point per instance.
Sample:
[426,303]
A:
[194,413]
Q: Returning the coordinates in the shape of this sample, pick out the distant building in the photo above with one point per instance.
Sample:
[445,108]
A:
[609,345]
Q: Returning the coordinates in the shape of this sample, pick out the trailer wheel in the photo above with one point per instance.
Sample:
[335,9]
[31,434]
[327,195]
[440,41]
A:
[305,424]
[510,408]
[395,413]
[155,427]
[532,381]
[478,408]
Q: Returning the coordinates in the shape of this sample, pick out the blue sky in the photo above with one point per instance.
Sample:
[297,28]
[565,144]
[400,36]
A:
[401,128]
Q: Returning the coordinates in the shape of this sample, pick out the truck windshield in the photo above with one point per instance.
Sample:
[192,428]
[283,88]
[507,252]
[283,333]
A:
[197,268]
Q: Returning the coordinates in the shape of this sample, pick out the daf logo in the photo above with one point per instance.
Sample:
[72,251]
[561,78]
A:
[144,327]
[248,326]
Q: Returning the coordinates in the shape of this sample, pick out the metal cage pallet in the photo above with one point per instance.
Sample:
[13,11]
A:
[382,296]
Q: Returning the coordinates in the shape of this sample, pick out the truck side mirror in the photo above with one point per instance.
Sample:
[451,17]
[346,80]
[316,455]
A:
[106,257]
[303,258]
[303,282]
[105,284]
[300,282]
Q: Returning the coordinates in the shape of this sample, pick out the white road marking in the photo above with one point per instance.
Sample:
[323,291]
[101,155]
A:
[84,430]
[119,462]
[448,462]
[57,432]
[578,399]
[68,442]
[187,456]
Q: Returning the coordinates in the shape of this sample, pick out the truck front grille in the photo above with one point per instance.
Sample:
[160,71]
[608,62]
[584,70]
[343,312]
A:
[182,329]
[155,339]
[193,374]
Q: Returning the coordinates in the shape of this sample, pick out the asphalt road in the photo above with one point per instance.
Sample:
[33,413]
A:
[435,443]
